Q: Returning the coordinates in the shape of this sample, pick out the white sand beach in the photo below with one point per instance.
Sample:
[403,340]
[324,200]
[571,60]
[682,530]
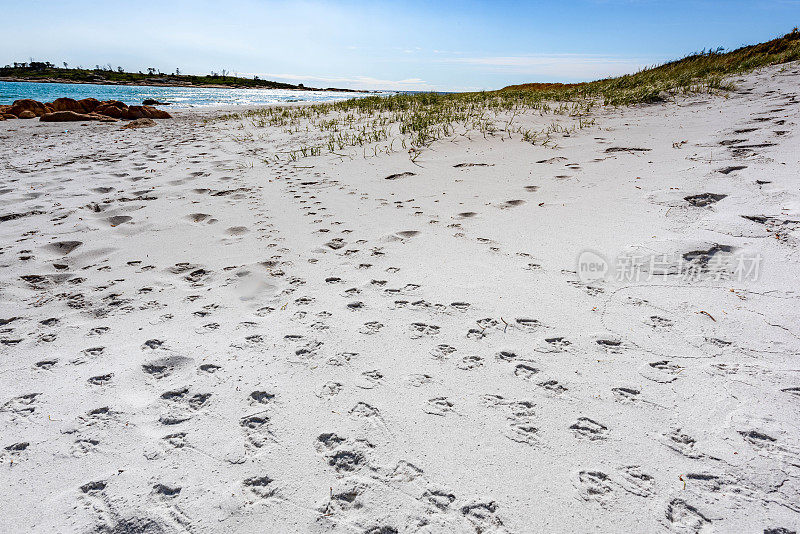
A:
[197,337]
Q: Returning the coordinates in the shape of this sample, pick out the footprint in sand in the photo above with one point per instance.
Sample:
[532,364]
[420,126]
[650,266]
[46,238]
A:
[118,219]
[236,230]
[201,218]
[704,199]
[408,233]
[63,247]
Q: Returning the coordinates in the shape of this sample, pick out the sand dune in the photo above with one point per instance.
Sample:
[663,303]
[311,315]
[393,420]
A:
[196,340]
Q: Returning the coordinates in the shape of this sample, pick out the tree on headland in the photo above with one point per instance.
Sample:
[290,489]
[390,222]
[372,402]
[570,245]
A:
[40,65]
[66,65]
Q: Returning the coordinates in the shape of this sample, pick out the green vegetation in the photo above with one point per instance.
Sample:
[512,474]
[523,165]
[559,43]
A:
[414,121]
[36,70]
[704,71]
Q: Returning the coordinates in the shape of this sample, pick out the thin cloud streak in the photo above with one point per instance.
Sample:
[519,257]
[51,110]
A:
[573,66]
[356,82]
[566,66]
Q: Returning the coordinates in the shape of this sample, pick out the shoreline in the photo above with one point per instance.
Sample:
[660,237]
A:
[184,85]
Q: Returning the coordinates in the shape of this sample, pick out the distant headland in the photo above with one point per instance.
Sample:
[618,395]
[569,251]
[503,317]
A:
[47,72]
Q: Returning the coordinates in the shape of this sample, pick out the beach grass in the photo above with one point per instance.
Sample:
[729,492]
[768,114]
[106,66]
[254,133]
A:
[414,121]
[703,71]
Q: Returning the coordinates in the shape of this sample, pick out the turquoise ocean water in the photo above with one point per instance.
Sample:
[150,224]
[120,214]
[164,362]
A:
[179,97]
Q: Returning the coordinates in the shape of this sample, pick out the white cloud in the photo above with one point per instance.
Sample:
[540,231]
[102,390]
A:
[572,66]
[355,82]
[566,67]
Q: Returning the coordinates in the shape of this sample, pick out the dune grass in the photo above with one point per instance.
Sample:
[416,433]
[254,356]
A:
[704,71]
[414,121]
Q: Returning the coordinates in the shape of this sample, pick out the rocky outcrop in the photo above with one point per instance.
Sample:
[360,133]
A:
[113,108]
[5,114]
[87,105]
[69,109]
[37,108]
[147,112]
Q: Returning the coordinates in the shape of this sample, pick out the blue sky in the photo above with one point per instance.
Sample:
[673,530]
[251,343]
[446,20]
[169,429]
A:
[428,45]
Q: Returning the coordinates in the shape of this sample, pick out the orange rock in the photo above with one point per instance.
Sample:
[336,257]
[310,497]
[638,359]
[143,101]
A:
[37,108]
[147,112]
[136,112]
[112,108]
[69,109]
[87,105]
[115,103]
[67,116]
[155,113]
[103,118]
[65,104]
